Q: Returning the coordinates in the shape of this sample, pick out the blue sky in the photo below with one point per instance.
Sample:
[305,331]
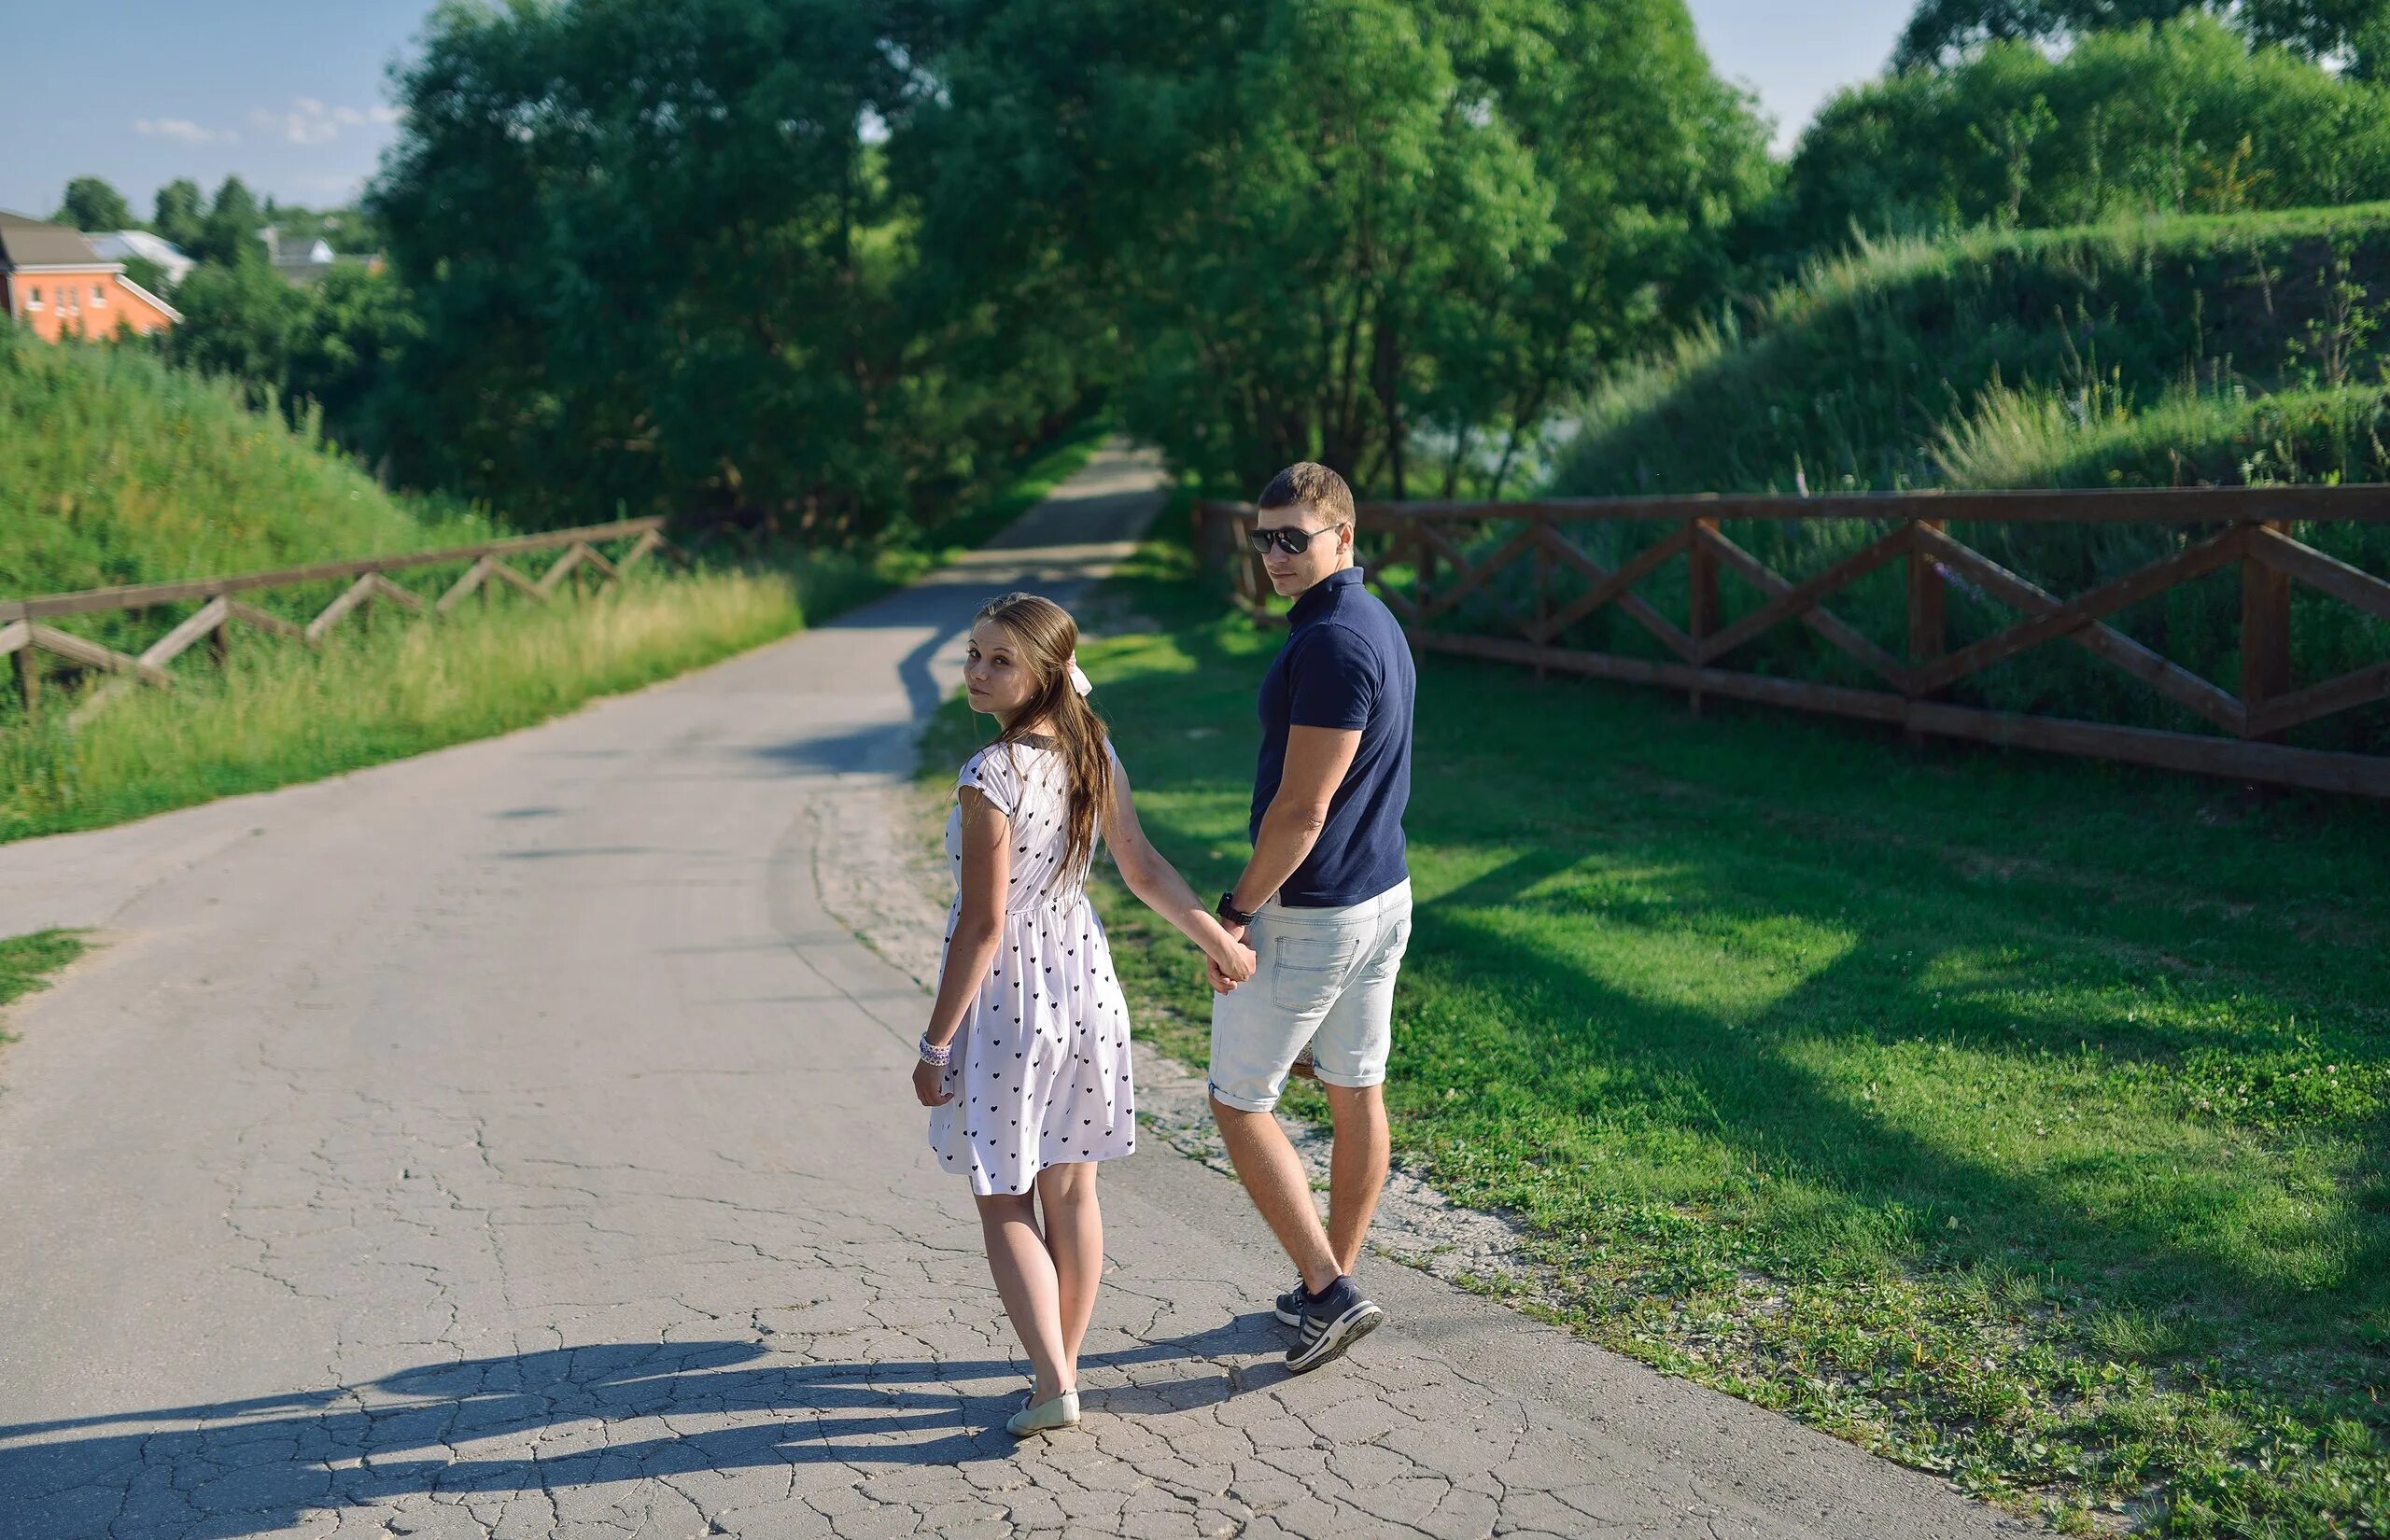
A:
[293,95]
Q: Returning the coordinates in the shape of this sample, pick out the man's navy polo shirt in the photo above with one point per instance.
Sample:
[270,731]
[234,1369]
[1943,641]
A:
[1345,665]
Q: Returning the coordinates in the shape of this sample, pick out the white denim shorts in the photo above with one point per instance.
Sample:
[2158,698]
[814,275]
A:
[1322,976]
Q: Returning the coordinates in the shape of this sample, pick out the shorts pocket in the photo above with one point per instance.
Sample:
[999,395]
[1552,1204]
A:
[1306,973]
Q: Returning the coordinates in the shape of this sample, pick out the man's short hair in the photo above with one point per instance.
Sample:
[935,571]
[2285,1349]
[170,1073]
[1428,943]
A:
[1309,481]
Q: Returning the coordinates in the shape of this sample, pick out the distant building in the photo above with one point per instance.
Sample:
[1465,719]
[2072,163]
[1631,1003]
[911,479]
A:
[305,264]
[53,281]
[123,246]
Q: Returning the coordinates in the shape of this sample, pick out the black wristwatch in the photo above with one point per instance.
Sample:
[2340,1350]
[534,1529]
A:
[1229,912]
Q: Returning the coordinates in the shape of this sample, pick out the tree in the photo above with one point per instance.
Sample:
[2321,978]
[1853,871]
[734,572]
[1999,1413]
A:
[345,344]
[1341,230]
[91,204]
[149,275]
[240,319]
[2355,32]
[2171,119]
[230,234]
[181,213]
[657,266]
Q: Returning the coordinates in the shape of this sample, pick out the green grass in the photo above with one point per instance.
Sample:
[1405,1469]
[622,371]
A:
[378,691]
[1847,377]
[2027,1121]
[2182,351]
[115,468]
[26,962]
[392,686]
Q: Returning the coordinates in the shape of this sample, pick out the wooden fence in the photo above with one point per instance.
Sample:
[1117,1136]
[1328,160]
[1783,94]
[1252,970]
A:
[1453,550]
[26,636]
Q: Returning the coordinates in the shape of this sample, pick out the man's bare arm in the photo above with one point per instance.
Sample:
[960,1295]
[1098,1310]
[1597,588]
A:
[1317,760]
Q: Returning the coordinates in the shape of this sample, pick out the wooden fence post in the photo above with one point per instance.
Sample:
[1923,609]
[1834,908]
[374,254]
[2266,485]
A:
[1543,596]
[1928,634]
[1701,592]
[1405,543]
[2265,632]
[28,662]
[1928,601]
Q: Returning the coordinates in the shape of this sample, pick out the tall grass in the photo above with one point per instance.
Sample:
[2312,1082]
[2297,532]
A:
[377,692]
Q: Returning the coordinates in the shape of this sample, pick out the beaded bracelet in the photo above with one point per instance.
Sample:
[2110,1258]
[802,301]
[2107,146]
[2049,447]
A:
[939,1054]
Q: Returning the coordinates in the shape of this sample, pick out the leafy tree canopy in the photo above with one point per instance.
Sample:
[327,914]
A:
[181,213]
[1345,229]
[2179,117]
[92,203]
[229,234]
[2355,32]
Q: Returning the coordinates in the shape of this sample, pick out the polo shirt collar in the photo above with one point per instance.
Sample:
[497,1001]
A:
[1321,594]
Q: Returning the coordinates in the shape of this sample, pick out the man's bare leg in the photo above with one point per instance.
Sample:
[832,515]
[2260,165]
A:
[1356,1169]
[1274,1177]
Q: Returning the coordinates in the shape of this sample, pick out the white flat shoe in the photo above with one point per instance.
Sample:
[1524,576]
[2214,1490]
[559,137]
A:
[1062,1411]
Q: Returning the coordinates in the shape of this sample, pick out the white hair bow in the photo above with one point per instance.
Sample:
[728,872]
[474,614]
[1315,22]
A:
[1079,681]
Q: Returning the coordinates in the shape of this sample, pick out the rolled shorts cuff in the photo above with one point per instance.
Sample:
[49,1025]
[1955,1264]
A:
[1347,1082]
[1243,1103]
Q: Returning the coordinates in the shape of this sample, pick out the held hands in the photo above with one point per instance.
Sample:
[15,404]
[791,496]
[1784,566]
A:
[1232,964]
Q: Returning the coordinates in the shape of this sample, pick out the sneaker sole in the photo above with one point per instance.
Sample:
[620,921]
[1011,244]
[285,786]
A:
[1286,1317]
[1345,1330]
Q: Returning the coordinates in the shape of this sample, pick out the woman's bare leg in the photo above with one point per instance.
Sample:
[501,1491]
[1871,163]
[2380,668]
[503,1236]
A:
[1075,1238]
[1024,1272]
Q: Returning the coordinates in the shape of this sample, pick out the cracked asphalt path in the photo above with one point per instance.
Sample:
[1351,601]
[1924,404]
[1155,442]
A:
[507,1143]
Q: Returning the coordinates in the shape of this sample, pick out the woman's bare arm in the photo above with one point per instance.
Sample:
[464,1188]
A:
[1160,888]
[979,929]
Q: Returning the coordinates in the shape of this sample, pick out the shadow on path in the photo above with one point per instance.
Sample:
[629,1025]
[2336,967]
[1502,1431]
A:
[486,1426]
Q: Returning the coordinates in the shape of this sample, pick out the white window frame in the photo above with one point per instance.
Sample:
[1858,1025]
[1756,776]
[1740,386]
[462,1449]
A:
[33,297]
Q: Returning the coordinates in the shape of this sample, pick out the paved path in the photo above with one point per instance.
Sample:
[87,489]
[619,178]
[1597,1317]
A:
[507,1143]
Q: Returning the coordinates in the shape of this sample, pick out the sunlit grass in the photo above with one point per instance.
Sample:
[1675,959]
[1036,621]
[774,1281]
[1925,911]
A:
[115,468]
[377,692]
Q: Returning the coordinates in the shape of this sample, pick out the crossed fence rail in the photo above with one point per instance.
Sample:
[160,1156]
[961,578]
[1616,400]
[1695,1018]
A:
[1453,551]
[26,638]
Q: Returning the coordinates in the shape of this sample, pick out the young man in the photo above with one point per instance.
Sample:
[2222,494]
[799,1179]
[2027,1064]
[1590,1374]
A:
[1324,902]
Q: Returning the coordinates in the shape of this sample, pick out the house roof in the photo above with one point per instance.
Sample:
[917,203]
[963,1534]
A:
[117,244]
[37,243]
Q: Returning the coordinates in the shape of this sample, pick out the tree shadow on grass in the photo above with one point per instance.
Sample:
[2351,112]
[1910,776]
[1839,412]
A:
[255,1466]
[1847,863]
[1734,1083]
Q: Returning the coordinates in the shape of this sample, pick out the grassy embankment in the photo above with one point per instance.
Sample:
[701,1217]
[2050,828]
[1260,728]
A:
[2244,350]
[2027,1121]
[114,469]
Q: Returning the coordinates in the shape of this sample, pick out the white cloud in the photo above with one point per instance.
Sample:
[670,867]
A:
[308,121]
[183,131]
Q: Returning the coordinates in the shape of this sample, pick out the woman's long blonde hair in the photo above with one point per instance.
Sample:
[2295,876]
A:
[1049,639]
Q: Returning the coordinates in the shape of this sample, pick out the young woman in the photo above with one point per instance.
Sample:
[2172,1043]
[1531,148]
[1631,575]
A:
[1026,1058]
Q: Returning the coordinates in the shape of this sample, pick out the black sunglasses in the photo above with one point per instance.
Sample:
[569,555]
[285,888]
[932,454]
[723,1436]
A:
[1294,542]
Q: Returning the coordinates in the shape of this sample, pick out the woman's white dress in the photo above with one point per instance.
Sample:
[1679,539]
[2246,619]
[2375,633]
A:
[1040,1075]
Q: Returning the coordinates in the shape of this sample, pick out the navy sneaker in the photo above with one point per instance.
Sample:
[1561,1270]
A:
[1330,1322]
[1290,1309]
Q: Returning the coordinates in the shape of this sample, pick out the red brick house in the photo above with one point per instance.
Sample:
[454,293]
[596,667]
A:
[53,281]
